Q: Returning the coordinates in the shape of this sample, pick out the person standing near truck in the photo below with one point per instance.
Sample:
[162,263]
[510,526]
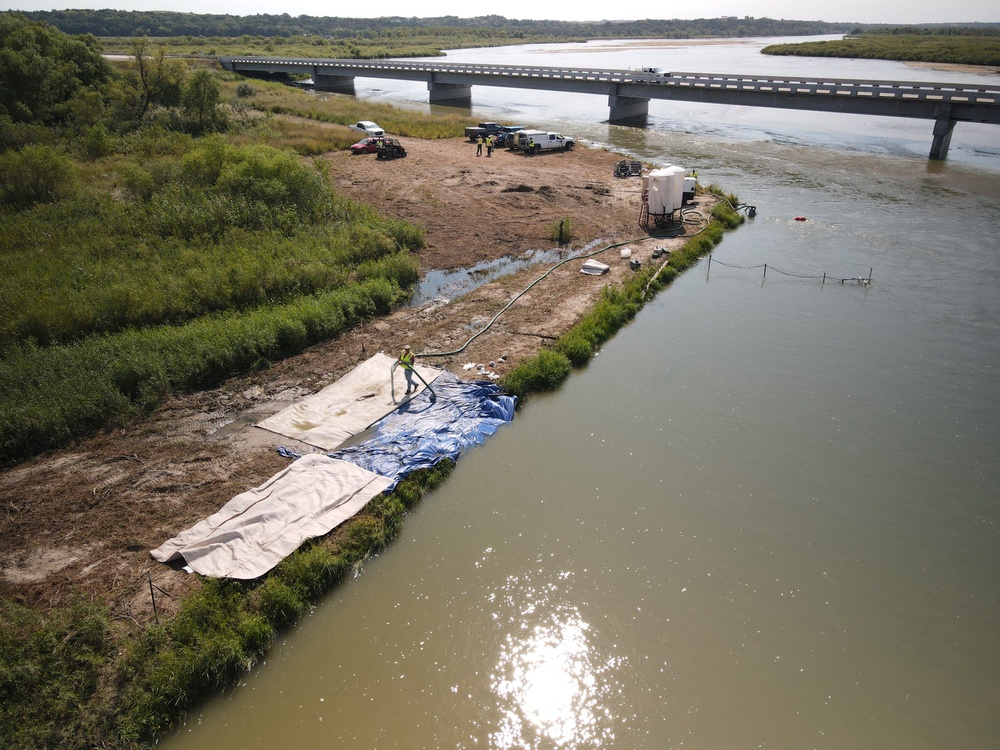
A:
[479,145]
[489,145]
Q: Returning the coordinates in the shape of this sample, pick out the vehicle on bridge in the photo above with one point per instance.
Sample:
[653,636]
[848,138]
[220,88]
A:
[534,141]
[629,92]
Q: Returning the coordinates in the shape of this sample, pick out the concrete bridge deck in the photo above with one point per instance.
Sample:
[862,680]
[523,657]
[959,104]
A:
[629,92]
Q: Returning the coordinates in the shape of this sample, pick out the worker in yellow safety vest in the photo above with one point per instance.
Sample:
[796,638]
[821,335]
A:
[406,359]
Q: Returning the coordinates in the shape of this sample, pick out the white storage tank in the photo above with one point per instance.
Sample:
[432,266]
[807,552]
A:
[660,197]
[677,186]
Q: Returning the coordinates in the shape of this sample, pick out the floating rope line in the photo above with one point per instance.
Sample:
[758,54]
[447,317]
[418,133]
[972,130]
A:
[862,280]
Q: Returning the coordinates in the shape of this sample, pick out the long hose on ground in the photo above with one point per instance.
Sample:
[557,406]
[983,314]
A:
[684,220]
[527,288]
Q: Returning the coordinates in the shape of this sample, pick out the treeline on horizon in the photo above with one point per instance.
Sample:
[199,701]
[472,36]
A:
[121,23]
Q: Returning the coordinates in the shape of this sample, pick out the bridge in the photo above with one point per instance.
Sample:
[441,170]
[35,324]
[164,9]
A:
[629,92]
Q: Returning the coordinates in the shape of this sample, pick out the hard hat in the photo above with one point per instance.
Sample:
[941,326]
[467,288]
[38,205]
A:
[407,346]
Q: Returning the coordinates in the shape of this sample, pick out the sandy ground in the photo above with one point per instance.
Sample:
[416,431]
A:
[82,520]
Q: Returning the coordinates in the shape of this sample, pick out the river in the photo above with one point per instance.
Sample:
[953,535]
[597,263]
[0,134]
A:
[765,516]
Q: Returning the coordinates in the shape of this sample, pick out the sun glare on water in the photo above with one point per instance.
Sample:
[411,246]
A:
[551,688]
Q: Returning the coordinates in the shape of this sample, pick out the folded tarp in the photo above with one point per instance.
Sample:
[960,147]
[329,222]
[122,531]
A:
[257,529]
[432,426]
[345,408]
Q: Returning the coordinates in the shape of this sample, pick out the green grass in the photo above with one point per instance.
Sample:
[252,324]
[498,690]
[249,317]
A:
[57,393]
[191,261]
[51,664]
[340,109]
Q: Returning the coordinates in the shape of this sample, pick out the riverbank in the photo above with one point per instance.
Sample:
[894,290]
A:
[81,520]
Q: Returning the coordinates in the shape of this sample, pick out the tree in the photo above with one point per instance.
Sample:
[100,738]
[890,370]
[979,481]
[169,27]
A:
[159,80]
[200,100]
[42,69]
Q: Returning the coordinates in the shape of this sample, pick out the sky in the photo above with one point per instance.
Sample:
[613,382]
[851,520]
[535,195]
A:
[859,11]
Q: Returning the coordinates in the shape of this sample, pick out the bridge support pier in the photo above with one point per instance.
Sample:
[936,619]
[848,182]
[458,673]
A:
[943,128]
[627,110]
[450,94]
[336,84]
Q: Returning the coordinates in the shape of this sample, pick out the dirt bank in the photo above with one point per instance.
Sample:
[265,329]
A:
[83,519]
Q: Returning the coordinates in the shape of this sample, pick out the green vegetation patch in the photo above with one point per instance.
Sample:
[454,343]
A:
[204,263]
[950,46]
[340,109]
[50,669]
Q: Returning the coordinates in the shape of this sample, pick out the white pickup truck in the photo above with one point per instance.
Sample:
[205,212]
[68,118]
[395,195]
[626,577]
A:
[533,141]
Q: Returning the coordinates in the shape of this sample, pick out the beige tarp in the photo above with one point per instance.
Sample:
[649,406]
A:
[347,407]
[257,529]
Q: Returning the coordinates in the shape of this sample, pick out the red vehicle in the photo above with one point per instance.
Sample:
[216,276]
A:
[367,145]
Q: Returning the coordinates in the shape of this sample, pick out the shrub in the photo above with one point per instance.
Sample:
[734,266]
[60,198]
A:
[280,603]
[561,232]
[35,174]
[272,180]
[544,372]
[401,268]
[96,142]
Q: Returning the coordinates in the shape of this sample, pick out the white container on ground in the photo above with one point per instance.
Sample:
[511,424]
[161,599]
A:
[660,192]
[677,186]
[690,183]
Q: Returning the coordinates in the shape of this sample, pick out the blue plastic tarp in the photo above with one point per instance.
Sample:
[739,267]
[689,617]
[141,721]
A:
[431,426]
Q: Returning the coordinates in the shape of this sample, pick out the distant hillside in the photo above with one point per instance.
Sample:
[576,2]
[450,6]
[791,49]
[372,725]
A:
[120,23]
